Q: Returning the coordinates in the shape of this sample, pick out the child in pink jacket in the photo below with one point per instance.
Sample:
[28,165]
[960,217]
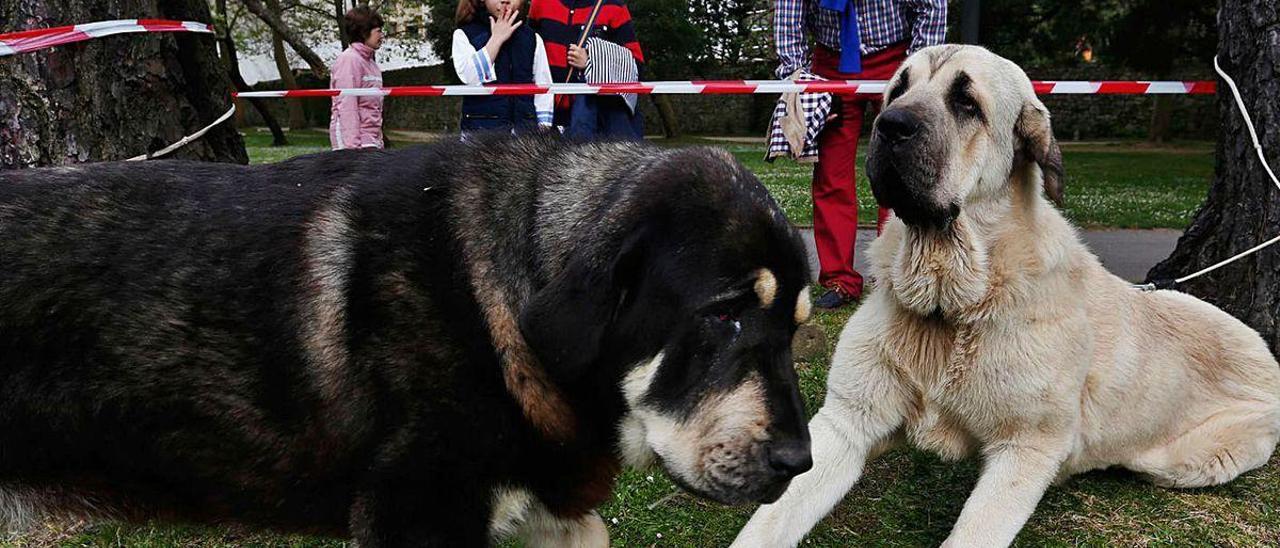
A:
[356,122]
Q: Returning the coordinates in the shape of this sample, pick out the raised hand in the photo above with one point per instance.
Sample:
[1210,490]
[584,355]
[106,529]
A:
[502,27]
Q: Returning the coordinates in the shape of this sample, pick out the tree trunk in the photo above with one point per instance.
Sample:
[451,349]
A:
[670,125]
[340,10]
[297,118]
[232,62]
[295,41]
[1243,206]
[1161,118]
[115,97]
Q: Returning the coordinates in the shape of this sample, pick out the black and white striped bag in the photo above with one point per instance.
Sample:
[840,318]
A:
[608,62]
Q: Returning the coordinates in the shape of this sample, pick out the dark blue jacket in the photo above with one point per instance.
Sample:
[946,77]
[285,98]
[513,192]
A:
[513,65]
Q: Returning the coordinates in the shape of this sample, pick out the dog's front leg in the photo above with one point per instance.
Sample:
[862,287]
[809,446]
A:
[1014,477]
[864,407]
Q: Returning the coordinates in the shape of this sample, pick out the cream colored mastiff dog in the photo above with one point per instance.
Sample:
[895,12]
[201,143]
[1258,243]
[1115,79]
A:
[993,331]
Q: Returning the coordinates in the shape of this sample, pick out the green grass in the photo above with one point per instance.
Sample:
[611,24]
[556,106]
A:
[1136,187]
[906,498]
[258,143]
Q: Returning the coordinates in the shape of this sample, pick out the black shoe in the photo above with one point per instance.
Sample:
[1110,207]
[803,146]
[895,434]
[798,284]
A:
[833,299]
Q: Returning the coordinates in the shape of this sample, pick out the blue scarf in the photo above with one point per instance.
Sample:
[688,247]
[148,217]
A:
[850,44]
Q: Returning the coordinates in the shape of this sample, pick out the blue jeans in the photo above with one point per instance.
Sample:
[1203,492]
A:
[603,117]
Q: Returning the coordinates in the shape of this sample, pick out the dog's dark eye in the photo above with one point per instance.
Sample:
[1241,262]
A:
[965,102]
[961,98]
[731,320]
[899,88]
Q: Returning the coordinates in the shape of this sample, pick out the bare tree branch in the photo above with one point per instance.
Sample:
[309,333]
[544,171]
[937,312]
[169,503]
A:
[317,65]
[232,62]
[340,8]
[235,17]
[314,10]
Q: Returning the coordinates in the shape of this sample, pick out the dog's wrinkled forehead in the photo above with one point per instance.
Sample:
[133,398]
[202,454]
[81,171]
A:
[943,74]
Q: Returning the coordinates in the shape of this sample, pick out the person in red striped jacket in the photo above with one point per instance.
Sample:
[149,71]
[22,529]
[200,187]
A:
[561,23]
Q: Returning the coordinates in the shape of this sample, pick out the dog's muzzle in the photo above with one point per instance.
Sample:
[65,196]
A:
[905,170]
[759,474]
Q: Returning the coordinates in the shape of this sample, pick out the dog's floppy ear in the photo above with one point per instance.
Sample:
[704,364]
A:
[566,321]
[1036,135]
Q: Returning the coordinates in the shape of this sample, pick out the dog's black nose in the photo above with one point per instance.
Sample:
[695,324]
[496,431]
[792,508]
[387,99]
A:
[897,125]
[790,458]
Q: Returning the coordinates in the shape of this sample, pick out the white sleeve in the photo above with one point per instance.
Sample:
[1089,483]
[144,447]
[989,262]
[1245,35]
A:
[473,66]
[543,103]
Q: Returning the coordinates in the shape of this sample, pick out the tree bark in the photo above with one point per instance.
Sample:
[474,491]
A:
[1243,205]
[1161,119]
[295,41]
[297,118]
[340,10]
[666,113]
[115,97]
[231,61]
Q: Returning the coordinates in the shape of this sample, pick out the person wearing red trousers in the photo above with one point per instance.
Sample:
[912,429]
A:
[853,40]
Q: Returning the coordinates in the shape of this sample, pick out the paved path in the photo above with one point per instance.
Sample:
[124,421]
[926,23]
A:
[1127,253]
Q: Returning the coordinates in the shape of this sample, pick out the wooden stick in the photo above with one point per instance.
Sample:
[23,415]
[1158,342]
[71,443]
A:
[586,31]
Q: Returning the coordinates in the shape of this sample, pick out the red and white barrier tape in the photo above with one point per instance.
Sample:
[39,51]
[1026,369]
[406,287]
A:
[733,87]
[37,39]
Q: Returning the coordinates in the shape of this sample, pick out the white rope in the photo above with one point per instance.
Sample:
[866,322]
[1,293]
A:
[183,142]
[1257,147]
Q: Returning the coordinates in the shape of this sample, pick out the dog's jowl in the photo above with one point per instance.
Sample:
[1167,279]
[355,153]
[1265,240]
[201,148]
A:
[427,346]
[992,331]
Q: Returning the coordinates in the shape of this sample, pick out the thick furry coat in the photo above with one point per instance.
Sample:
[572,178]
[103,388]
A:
[992,331]
[420,346]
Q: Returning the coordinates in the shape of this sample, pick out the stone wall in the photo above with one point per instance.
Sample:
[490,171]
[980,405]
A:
[1075,117]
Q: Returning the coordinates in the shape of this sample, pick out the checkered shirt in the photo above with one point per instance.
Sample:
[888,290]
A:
[881,23]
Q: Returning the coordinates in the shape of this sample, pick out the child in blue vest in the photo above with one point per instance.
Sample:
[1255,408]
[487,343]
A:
[492,46]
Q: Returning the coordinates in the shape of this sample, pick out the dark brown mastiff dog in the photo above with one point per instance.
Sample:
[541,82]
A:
[428,346]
